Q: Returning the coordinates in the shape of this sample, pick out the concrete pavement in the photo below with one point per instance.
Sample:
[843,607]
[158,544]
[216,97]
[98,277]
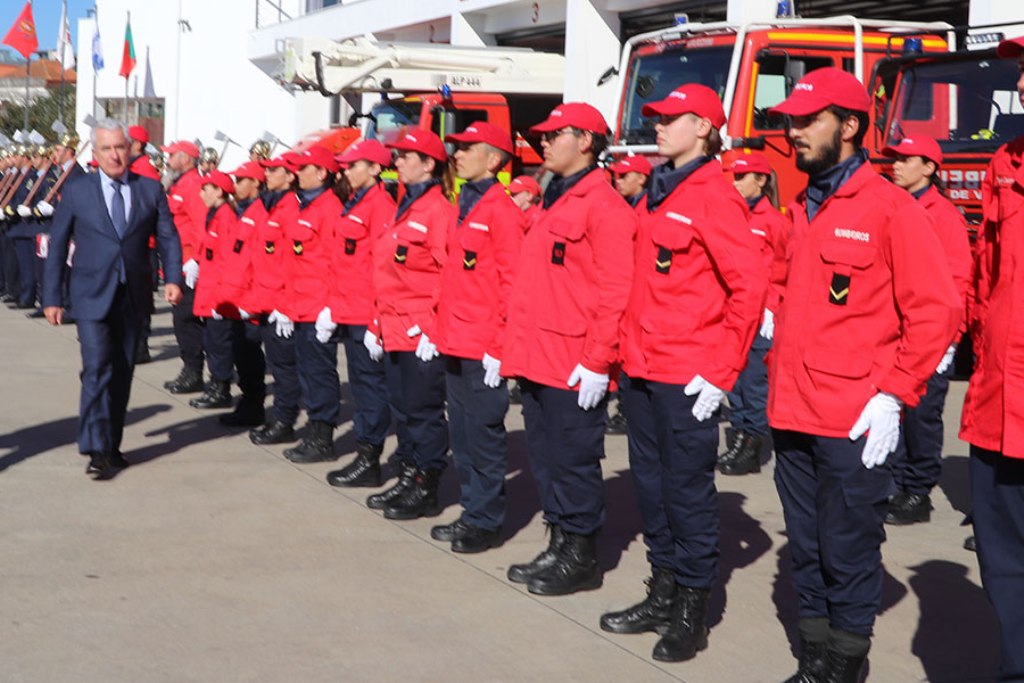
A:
[211,559]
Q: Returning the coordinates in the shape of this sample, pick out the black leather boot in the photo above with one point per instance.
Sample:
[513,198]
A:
[217,395]
[574,569]
[406,475]
[814,633]
[449,532]
[654,613]
[419,500]
[522,573]
[317,446]
[363,471]
[909,508]
[840,668]
[687,634]
[616,423]
[187,382]
[248,413]
[747,458]
[274,431]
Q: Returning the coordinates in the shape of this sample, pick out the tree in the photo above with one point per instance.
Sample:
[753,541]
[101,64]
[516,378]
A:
[41,113]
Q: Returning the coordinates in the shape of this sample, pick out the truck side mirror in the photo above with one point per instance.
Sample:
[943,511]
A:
[794,70]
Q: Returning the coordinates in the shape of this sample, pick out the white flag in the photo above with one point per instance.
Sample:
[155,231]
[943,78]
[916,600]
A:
[97,47]
[65,51]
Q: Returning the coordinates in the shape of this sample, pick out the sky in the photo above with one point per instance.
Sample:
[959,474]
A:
[47,15]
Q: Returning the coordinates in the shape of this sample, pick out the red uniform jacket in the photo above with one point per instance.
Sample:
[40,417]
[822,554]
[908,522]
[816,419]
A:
[770,227]
[189,213]
[483,252]
[951,229]
[993,414]
[240,250]
[353,295]
[869,305]
[409,257]
[210,253]
[270,288]
[575,272]
[698,286]
[310,245]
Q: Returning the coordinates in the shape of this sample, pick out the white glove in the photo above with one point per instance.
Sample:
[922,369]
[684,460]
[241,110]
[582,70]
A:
[767,325]
[492,371]
[24,211]
[709,397]
[244,314]
[285,327]
[325,327]
[44,208]
[947,359]
[881,420]
[426,350]
[373,346]
[191,272]
[593,386]
[215,315]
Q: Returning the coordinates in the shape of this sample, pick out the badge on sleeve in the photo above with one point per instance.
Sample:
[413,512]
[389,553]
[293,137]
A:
[839,290]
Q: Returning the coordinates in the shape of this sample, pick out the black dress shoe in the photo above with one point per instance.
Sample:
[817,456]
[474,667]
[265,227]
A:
[103,466]
[38,313]
[449,532]
[271,433]
[970,544]
[67,318]
[142,355]
[117,460]
[476,540]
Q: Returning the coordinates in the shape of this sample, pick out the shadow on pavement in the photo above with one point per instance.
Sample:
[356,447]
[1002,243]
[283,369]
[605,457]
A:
[741,541]
[955,482]
[180,436]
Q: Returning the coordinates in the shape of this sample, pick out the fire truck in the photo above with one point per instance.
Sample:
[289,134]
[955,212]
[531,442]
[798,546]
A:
[753,67]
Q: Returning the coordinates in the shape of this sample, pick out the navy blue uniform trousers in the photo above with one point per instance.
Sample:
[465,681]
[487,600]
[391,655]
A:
[108,362]
[235,345]
[368,381]
[280,355]
[997,490]
[672,459]
[10,258]
[25,251]
[188,330]
[565,445]
[416,394]
[748,399]
[476,429]
[834,509]
[317,366]
[917,462]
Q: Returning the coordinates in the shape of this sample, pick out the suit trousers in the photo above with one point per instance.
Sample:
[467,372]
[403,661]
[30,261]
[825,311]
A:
[108,362]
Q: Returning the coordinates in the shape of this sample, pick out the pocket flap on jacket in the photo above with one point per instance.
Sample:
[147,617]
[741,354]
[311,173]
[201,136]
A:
[848,253]
[841,363]
[569,230]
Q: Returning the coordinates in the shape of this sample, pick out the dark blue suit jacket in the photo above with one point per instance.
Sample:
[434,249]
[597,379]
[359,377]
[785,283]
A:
[82,216]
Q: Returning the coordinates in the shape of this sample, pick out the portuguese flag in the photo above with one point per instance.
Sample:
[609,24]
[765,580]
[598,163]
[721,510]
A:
[128,55]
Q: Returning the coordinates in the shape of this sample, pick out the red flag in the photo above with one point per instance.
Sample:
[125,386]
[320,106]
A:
[22,36]
[128,54]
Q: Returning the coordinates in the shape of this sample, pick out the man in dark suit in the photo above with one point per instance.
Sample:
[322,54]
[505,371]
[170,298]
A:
[110,215]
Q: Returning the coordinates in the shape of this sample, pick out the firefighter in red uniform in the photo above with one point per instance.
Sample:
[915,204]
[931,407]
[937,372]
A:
[868,308]
[483,250]
[631,174]
[525,193]
[352,309]
[270,293]
[189,215]
[697,295]
[917,463]
[993,415]
[561,343]
[409,258]
[309,270]
[754,178]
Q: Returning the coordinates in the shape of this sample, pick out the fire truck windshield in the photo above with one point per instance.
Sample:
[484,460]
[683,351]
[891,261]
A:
[968,106]
[391,118]
[652,77]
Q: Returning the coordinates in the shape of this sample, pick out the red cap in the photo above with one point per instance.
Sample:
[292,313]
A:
[632,163]
[145,168]
[692,98]
[1011,47]
[573,115]
[755,162]
[481,131]
[917,146]
[317,156]
[219,179]
[284,161]
[821,88]
[138,133]
[366,150]
[250,169]
[185,146]
[524,183]
[422,141]
[94,163]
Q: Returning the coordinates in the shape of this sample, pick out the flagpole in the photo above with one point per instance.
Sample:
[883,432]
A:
[28,61]
[126,79]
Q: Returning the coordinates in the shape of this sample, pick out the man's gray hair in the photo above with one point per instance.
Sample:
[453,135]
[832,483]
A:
[107,124]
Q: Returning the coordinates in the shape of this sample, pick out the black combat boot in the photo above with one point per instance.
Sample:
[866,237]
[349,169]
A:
[909,508]
[845,657]
[687,633]
[363,471]
[317,446]
[746,457]
[813,645]
[617,423]
[248,413]
[419,500]
[187,382]
[574,569]
[406,475]
[217,395]
[654,613]
[274,431]
[522,573]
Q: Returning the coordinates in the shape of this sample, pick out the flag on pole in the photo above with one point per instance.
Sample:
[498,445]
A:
[22,36]
[128,54]
[97,46]
[65,51]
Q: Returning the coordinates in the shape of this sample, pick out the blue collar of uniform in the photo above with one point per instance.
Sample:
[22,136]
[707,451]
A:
[307,197]
[414,192]
[471,193]
[822,186]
